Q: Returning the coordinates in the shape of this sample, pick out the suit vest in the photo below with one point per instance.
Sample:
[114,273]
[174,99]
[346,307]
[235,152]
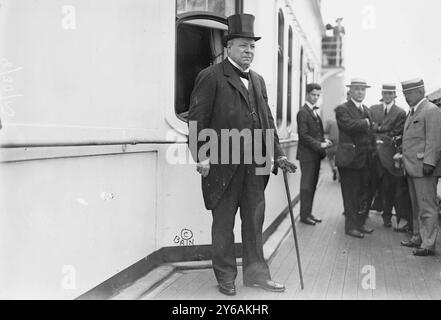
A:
[252,119]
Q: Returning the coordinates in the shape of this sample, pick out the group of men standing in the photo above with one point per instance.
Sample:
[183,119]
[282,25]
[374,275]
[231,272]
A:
[381,150]
[230,96]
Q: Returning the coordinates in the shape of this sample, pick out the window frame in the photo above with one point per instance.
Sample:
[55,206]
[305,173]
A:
[182,18]
[280,68]
[290,91]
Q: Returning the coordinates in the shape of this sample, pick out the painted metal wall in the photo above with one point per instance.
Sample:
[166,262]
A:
[72,217]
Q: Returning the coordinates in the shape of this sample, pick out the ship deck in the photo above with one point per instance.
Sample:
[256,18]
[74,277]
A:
[334,265]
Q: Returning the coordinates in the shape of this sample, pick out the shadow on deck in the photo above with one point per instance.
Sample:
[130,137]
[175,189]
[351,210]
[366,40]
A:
[334,266]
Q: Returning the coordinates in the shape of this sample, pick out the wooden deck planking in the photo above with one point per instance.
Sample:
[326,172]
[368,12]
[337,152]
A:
[331,262]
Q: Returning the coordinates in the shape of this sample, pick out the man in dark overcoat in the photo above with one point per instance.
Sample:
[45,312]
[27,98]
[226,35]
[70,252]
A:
[354,158]
[229,97]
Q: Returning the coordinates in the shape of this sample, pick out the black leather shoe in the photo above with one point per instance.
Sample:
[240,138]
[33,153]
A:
[227,288]
[355,233]
[423,252]
[308,221]
[410,244]
[268,285]
[365,230]
[315,219]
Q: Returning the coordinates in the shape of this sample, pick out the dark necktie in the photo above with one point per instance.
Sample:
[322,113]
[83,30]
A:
[244,75]
[412,112]
[385,111]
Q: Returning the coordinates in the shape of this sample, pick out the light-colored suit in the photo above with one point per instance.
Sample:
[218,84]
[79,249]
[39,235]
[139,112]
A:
[422,145]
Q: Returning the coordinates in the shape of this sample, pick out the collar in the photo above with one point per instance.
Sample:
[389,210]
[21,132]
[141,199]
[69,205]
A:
[415,108]
[237,66]
[310,105]
[388,106]
[357,104]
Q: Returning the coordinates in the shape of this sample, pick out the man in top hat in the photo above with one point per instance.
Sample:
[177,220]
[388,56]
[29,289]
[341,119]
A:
[354,158]
[229,96]
[311,151]
[421,159]
[389,180]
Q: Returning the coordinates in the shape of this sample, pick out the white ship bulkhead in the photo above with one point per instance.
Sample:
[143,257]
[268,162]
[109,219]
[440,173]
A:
[87,187]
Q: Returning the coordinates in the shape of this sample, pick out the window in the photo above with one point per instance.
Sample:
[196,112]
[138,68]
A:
[220,7]
[200,28]
[199,45]
[280,68]
[302,85]
[289,92]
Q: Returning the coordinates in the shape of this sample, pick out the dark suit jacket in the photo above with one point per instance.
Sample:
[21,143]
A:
[220,101]
[356,140]
[391,126]
[311,136]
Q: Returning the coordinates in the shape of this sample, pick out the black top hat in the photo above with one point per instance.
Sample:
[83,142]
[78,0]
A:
[240,26]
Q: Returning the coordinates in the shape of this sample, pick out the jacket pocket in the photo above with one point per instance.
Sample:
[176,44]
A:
[345,154]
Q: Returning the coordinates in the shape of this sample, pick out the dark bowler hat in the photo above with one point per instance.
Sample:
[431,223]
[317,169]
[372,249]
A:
[240,26]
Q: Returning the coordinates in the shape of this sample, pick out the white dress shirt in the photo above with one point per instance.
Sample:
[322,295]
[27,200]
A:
[359,105]
[311,106]
[388,106]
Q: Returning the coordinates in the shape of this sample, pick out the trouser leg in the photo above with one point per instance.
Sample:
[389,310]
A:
[367,184]
[308,185]
[415,210]
[402,202]
[388,187]
[252,212]
[222,231]
[350,188]
[428,210]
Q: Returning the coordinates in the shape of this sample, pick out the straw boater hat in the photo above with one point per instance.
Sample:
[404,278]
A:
[389,88]
[358,83]
[240,26]
[412,84]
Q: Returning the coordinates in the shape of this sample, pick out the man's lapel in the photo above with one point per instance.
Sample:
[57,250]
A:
[234,79]
[367,113]
[391,114]
[311,112]
[354,111]
[314,116]
[257,88]
[417,112]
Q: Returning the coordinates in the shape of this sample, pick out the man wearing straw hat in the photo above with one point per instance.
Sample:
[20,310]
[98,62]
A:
[390,181]
[354,158]
[421,159]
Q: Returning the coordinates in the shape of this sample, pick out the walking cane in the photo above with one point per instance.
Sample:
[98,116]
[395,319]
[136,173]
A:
[288,194]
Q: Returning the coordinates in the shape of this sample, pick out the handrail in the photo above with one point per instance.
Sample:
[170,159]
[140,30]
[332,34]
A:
[86,143]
